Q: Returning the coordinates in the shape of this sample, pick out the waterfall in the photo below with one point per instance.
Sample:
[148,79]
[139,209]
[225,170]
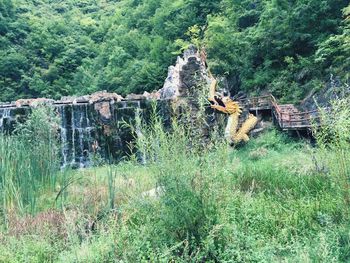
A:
[73,135]
[141,153]
[76,135]
[5,117]
[86,131]
[68,130]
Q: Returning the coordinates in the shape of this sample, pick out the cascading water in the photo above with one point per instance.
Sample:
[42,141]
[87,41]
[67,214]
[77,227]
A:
[89,132]
[76,135]
[94,125]
[5,118]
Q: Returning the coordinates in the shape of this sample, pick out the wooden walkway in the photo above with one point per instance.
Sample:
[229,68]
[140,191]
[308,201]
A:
[287,116]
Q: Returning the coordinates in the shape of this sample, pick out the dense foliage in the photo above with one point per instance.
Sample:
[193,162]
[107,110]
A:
[52,48]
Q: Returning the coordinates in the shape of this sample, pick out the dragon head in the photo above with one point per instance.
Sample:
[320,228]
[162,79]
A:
[225,104]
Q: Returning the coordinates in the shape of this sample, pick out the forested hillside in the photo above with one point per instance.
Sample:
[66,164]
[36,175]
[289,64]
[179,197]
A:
[52,48]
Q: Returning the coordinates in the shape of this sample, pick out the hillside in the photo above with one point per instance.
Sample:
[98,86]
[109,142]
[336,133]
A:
[51,48]
[187,173]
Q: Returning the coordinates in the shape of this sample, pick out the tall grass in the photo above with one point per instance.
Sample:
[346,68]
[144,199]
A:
[28,162]
[264,202]
[221,204]
[333,139]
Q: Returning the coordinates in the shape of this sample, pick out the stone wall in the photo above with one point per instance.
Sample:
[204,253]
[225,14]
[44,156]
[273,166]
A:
[96,125]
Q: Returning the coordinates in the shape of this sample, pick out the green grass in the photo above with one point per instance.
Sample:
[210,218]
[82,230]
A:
[267,201]
[24,173]
[220,205]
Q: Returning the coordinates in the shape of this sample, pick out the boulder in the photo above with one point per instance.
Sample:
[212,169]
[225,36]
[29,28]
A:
[183,78]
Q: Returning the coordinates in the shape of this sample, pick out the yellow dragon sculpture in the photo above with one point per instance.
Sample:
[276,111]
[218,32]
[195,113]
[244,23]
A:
[226,105]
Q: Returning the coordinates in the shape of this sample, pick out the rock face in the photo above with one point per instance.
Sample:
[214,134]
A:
[188,72]
[332,91]
[104,109]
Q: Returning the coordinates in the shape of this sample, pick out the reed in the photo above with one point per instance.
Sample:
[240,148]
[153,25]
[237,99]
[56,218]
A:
[28,162]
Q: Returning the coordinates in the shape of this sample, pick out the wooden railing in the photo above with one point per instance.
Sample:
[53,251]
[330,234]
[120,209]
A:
[287,116]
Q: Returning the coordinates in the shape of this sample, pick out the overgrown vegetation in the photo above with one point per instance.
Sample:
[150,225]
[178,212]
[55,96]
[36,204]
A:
[192,199]
[28,162]
[53,48]
[273,200]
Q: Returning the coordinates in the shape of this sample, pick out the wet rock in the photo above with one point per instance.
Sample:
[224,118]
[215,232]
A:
[67,98]
[104,109]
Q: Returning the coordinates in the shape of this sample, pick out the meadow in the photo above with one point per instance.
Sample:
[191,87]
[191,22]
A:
[275,199]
